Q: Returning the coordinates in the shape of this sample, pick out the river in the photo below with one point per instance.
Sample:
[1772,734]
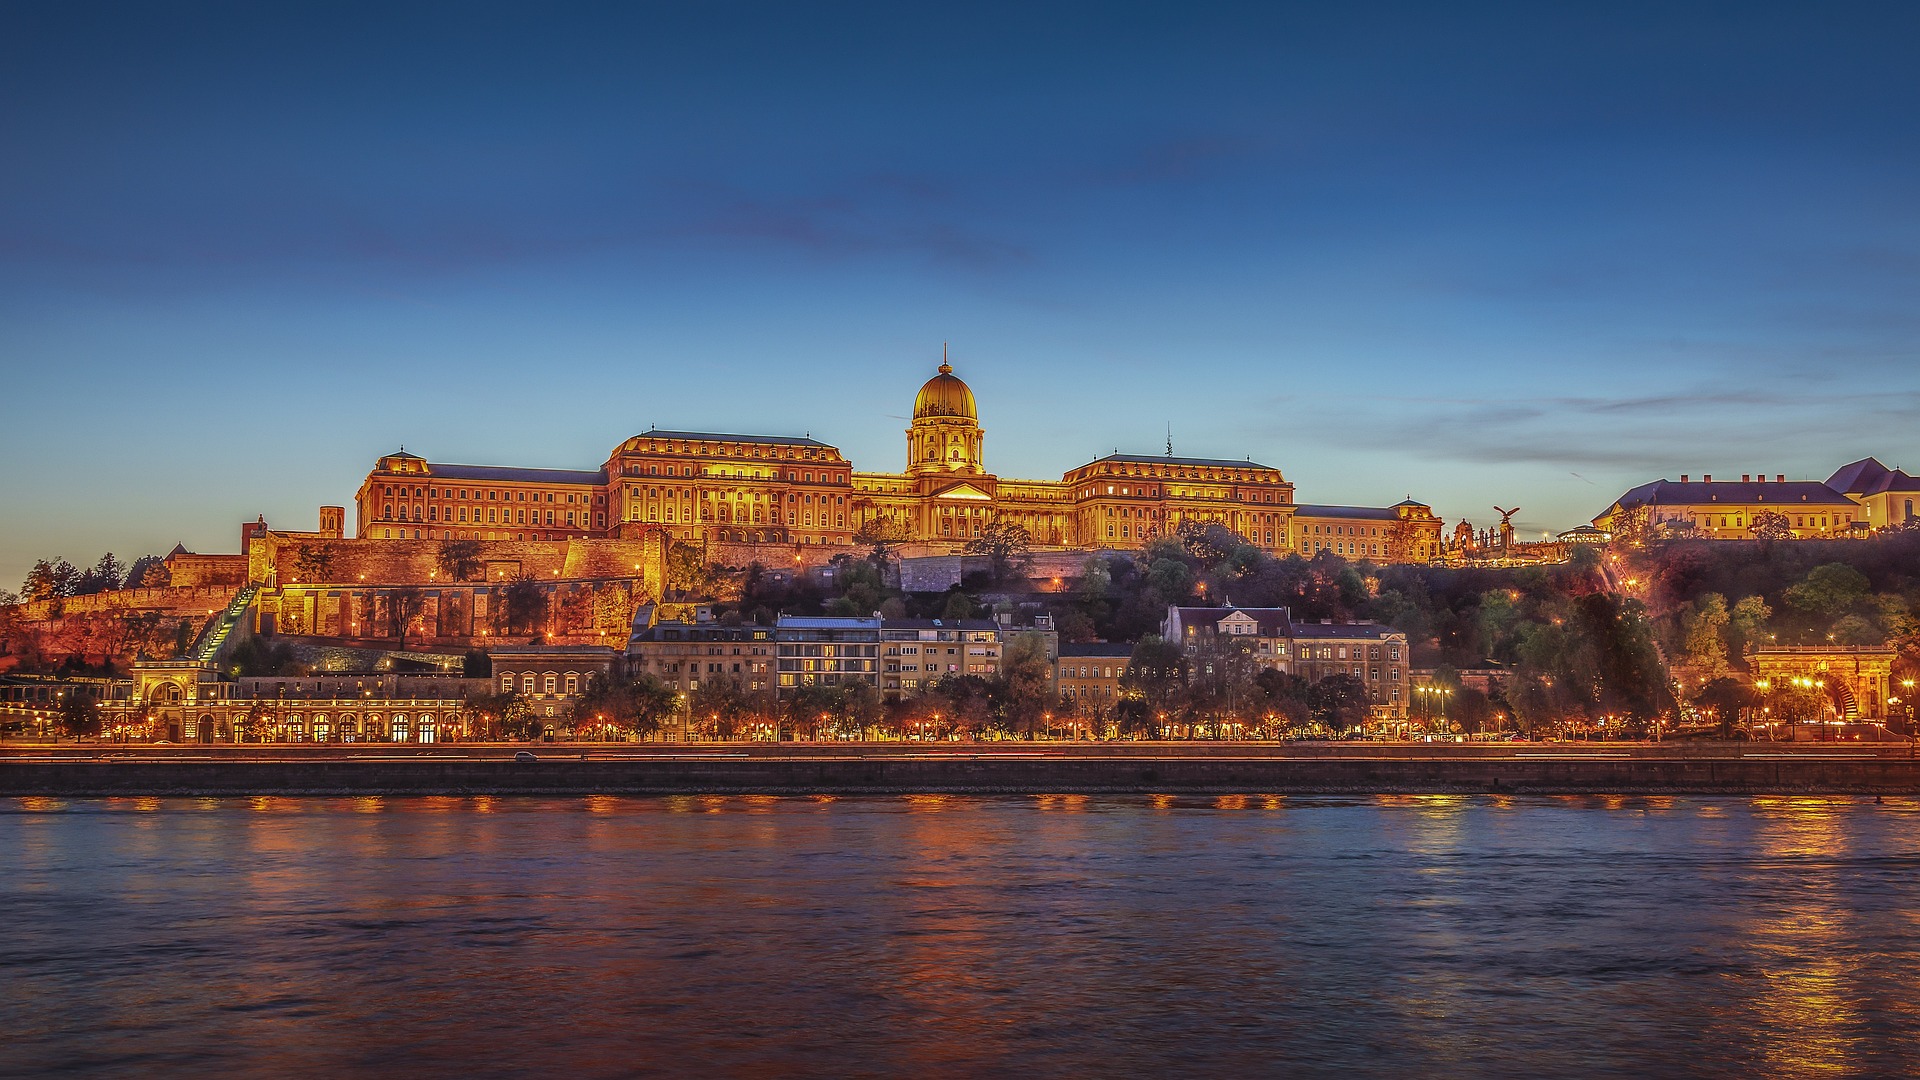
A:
[948,935]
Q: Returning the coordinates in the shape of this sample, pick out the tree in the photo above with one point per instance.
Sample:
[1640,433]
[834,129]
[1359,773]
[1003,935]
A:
[1723,700]
[862,587]
[721,705]
[1156,672]
[1744,623]
[404,605]
[1828,590]
[688,573]
[107,575]
[1339,702]
[882,535]
[50,580]
[1221,684]
[1025,679]
[1631,526]
[1005,544]
[525,605]
[148,572]
[460,559]
[1770,526]
[313,562]
[1703,645]
[640,705]
[812,707]
[79,713]
[1209,543]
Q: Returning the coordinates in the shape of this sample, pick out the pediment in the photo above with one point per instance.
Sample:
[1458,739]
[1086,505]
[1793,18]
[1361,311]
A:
[963,491]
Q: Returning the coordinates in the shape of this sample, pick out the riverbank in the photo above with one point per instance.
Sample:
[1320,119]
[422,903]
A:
[668,770]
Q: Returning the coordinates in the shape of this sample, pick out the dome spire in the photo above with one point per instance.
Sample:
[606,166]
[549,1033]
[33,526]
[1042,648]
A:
[945,368]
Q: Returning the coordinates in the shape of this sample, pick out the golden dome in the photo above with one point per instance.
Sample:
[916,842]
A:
[945,395]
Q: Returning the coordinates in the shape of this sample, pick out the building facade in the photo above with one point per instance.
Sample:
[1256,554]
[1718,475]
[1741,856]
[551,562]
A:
[795,491]
[1858,498]
[1376,655]
[1090,673]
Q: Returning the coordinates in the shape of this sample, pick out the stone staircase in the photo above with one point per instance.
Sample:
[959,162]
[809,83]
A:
[219,633]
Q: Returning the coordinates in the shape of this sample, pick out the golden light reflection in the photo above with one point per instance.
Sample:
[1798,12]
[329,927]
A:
[1806,1012]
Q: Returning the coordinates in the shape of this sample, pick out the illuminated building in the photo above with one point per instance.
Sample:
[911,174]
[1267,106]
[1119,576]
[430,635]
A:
[796,491]
[1856,499]
[1376,655]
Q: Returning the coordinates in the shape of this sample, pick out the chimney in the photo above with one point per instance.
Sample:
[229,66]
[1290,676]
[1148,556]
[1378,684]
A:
[1683,478]
[1747,479]
[1706,478]
[1779,478]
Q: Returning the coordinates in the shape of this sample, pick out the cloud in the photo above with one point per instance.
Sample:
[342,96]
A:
[1651,433]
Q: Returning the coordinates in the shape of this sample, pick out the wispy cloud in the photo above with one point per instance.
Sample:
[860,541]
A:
[1648,433]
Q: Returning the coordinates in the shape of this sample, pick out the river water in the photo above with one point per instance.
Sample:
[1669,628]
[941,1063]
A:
[975,936]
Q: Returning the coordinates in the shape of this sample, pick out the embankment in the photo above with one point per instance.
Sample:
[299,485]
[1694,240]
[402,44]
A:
[667,773]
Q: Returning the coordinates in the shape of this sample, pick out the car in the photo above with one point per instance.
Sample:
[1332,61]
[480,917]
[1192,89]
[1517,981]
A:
[524,757]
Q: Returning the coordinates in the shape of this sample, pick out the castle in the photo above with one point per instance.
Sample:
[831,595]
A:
[771,491]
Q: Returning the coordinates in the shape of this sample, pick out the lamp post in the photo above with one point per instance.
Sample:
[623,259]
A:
[1907,685]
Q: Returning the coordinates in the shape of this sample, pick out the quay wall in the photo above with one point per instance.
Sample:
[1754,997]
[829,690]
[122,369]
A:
[668,773]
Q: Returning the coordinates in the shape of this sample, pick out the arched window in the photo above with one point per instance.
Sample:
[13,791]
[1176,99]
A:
[349,729]
[375,729]
[427,729]
[322,728]
[402,728]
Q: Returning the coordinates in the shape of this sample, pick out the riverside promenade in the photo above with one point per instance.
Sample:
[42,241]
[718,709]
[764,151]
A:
[1004,767]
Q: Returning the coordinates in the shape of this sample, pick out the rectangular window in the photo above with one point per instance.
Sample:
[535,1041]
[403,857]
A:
[526,684]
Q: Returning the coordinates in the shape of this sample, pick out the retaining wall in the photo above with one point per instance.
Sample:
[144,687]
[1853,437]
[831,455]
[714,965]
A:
[957,773]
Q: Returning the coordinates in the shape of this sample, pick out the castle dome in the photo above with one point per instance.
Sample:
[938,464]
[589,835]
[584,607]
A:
[945,395]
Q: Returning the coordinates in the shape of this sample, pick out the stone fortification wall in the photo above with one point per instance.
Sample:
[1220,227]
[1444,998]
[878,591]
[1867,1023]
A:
[1050,571]
[205,570]
[791,557]
[194,600]
[277,557]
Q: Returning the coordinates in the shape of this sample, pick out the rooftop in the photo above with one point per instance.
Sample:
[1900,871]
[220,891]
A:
[1698,492]
[516,475]
[714,436]
[1364,513]
[1097,648]
[939,624]
[1349,630]
[1196,462]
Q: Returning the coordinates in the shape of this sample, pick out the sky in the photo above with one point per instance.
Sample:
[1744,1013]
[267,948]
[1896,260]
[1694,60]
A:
[1517,254]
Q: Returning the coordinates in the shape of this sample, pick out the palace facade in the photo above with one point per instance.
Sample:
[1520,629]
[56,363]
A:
[782,490]
[1858,498]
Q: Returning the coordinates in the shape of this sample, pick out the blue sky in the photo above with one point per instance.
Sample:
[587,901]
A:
[1520,254]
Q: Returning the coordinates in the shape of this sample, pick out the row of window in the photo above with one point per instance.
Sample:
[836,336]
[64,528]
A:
[495,516]
[492,495]
[548,683]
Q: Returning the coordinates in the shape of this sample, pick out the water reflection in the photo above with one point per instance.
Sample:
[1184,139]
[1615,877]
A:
[1209,935]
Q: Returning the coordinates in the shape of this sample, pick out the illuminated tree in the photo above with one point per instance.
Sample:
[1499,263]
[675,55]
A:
[79,715]
[1769,526]
[1005,544]
[460,559]
[313,562]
